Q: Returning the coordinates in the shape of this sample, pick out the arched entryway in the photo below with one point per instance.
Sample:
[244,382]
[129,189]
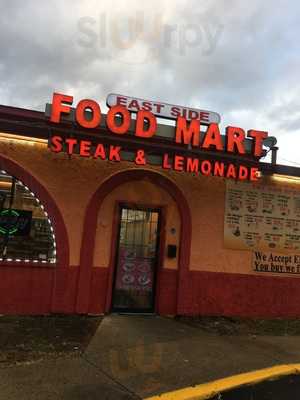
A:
[89,235]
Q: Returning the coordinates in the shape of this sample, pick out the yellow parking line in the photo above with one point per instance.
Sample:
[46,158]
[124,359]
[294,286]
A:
[207,390]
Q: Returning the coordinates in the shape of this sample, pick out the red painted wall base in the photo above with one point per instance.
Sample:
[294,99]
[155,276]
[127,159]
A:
[240,295]
[25,290]
[41,290]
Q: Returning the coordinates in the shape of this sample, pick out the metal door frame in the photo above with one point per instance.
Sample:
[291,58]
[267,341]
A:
[138,207]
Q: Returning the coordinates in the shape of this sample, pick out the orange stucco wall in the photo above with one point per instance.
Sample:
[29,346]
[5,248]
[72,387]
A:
[72,181]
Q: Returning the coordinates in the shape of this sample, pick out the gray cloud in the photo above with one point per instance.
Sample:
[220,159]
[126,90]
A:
[239,59]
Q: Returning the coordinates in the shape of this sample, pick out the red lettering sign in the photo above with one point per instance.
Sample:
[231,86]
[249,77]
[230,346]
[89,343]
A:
[121,127]
[58,108]
[186,133]
[81,108]
[140,129]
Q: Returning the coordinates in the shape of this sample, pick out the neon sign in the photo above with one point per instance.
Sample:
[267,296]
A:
[15,222]
[119,121]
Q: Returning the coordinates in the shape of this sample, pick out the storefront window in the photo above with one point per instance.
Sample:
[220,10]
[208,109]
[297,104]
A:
[26,233]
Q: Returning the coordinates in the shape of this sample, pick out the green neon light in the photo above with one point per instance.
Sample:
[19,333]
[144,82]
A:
[9,231]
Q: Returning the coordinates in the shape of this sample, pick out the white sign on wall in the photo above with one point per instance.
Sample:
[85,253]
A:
[163,110]
[276,262]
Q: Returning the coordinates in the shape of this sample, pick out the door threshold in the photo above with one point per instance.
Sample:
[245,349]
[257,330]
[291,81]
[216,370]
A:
[134,313]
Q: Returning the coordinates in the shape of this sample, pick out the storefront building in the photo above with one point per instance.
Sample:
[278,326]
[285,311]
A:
[115,212]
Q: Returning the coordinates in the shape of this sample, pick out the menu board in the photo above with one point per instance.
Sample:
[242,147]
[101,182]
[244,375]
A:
[262,216]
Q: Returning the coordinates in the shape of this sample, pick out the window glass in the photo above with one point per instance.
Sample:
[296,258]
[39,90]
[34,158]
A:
[26,233]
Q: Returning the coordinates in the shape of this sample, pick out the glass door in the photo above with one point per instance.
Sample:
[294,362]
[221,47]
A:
[137,255]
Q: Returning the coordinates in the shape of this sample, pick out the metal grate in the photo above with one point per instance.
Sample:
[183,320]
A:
[136,259]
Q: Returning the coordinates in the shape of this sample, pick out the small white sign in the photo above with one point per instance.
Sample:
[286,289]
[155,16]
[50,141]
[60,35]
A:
[163,110]
[275,262]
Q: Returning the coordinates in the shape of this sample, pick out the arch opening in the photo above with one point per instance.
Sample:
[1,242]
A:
[48,205]
[86,274]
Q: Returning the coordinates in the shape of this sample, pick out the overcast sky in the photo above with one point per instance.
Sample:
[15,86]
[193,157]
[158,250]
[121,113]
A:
[235,57]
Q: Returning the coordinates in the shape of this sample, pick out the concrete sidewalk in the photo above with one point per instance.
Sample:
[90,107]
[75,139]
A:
[132,357]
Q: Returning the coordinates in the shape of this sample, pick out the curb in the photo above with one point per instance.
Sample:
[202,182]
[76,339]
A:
[209,389]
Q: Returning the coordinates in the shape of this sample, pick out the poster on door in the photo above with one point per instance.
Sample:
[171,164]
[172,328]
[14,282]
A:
[134,273]
[263,217]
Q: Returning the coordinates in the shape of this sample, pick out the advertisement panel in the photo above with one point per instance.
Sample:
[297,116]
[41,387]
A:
[262,217]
